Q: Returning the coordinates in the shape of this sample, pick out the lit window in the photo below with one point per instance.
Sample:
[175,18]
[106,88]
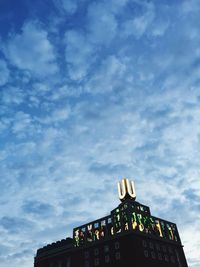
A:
[102,231]
[144,243]
[140,221]
[134,221]
[146,253]
[97,234]
[96,262]
[96,251]
[117,256]
[77,238]
[107,258]
[96,225]
[170,232]
[106,248]
[160,256]
[81,236]
[116,245]
[109,220]
[90,236]
[153,255]
[103,223]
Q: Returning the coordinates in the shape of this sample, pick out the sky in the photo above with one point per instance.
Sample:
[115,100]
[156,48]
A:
[91,92]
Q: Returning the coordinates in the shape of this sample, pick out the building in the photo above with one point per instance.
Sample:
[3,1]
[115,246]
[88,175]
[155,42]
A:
[129,237]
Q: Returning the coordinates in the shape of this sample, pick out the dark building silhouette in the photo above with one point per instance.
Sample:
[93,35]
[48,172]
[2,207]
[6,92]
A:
[129,237]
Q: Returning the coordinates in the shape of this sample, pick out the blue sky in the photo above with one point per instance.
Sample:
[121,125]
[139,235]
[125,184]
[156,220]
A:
[90,92]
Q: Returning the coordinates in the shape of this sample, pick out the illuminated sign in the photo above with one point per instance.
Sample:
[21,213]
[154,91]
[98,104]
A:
[130,219]
[129,216]
[126,189]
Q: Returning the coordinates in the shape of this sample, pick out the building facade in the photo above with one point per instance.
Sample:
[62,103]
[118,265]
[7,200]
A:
[129,237]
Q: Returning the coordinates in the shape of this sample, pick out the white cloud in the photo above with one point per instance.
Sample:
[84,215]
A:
[189,6]
[12,96]
[130,108]
[24,125]
[109,133]
[159,29]
[31,50]
[4,73]
[22,120]
[57,116]
[139,24]
[79,54]
[110,75]
[100,17]
[70,6]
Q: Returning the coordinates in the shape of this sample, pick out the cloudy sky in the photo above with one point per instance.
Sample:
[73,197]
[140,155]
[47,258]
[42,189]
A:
[90,92]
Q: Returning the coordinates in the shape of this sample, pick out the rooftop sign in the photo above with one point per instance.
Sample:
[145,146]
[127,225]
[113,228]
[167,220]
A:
[126,189]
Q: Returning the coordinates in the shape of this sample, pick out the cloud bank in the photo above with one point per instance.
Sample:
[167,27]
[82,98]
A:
[90,93]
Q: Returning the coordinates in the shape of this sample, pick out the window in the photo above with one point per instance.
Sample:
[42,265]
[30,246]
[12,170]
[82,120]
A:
[103,223]
[166,257]
[178,257]
[117,256]
[151,245]
[164,249]
[146,253]
[172,259]
[144,243]
[107,259]
[96,262]
[116,245]
[89,236]
[158,247]
[96,225]
[86,254]
[109,220]
[96,251]
[106,248]
[87,264]
[170,250]
[68,262]
[153,255]
[160,256]
[97,234]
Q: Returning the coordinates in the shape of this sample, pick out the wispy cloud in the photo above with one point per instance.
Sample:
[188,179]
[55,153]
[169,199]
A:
[31,50]
[4,73]
[79,52]
[92,92]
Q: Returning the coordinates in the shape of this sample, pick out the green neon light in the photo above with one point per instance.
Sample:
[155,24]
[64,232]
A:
[122,222]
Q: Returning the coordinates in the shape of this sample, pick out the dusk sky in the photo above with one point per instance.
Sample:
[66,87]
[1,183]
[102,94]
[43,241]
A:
[91,92]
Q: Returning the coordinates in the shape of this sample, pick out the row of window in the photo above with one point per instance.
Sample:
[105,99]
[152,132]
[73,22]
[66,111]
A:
[159,256]
[125,218]
[157,247]
[96,251]
[107,259]
[64,263]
